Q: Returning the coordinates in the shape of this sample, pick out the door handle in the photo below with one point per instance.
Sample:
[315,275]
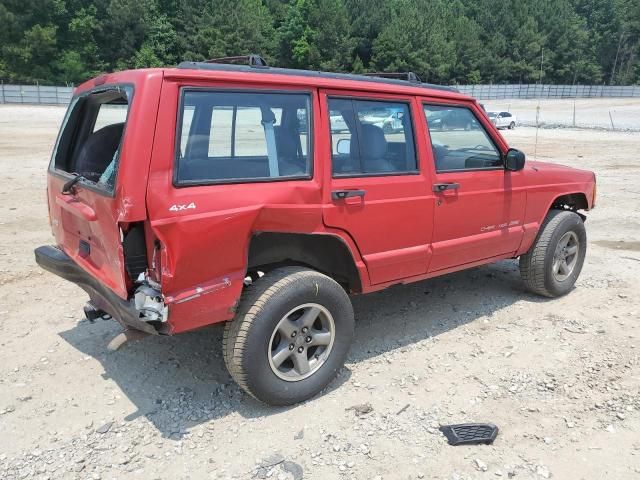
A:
[77,208]
[342,194]
[441,187]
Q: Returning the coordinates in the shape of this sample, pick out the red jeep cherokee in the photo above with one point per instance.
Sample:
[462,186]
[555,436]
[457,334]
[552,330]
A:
[264,197]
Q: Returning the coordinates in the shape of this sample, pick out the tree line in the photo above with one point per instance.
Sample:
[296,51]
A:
[442,41]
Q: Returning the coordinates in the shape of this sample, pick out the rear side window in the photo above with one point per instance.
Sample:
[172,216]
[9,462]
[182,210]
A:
[91,137]
[459,141]
[242,137]
[371,137]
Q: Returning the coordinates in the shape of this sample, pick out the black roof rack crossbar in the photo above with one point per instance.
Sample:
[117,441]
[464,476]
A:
[234,67]
[252,60]
[408,76]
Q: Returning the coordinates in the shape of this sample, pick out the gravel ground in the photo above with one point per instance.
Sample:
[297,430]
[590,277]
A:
[589,112]
[561,378]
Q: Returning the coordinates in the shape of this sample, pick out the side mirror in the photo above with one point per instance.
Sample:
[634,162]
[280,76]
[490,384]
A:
[344,146]
[514,160]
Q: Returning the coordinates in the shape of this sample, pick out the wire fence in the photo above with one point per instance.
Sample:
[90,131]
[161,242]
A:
[57,95]
[35,94]
[540,91]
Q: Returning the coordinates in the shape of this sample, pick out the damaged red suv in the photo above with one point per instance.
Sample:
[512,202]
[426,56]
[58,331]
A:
[265,197]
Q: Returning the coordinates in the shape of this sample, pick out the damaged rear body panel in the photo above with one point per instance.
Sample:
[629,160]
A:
[96,204]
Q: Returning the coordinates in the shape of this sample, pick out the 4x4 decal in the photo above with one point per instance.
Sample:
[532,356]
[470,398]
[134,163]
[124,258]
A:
[178,208]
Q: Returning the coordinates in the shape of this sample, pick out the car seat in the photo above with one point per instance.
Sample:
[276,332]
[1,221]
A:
[289,162]
[98,151]
[373,149]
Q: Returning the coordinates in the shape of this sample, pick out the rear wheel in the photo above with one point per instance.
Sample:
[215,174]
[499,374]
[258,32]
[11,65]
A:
[553,264]
[290,336]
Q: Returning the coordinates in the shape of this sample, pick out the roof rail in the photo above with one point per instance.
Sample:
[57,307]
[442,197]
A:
[408,76]
[252,60]
[231,66]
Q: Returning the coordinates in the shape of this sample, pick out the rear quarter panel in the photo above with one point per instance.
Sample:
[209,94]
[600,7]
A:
[205,249]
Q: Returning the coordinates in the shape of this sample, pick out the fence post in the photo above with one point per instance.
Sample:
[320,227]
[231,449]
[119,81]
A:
[38,89]
[2,89]
[613,127]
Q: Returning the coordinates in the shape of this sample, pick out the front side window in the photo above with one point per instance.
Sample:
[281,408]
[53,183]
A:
[91,137]
[459,141]
[371,137]
[242,136]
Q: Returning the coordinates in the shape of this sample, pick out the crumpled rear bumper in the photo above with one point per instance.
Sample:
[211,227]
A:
[56,261]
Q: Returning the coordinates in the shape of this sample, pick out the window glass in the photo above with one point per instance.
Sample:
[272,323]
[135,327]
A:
[90,139]
[458,140]
[371,137]
[243,136]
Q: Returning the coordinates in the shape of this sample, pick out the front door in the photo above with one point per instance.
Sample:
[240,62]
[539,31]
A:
[480,206]
[377,192]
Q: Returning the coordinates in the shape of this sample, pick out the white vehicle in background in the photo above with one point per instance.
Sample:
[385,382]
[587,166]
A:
[503,119]
[388,119]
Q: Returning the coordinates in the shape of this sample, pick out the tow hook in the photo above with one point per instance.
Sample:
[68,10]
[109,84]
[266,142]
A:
[149,301]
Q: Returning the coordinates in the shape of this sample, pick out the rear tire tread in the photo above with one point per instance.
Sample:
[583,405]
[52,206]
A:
[252,301]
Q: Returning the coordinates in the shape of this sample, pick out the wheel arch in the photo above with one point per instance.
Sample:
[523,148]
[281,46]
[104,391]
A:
[570,201]
[325,253]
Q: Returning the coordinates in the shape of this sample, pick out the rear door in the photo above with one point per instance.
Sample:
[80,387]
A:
[88,206]
[480,206]
[377,192]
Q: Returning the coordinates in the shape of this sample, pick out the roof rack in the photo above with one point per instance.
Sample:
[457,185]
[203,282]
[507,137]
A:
[230,64]
[252,60]
[408,76]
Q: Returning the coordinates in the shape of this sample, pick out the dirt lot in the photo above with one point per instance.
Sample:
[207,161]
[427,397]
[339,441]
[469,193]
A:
[561,378]
[589,112]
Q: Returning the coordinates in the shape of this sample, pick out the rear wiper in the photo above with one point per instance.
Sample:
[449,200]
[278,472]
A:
[67,187]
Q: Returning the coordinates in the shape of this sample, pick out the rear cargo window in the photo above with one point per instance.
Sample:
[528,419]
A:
[242,137]
[91,136]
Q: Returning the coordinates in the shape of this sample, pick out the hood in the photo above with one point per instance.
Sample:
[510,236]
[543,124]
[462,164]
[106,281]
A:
[560,172]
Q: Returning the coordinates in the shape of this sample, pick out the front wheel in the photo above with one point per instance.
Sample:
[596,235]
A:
[512,125]
[553,263]
[290,336]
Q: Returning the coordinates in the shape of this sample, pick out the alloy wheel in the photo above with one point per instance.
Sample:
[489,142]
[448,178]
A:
[301,342]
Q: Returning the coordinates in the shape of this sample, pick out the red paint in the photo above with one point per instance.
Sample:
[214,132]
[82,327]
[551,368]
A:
[400,232]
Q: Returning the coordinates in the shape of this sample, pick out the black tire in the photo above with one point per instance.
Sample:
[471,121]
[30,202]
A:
[247,338]
[387,128]
[512,125]
[537,265]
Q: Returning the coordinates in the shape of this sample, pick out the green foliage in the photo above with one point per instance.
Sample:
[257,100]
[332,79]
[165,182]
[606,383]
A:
[443,41]
[315,34]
